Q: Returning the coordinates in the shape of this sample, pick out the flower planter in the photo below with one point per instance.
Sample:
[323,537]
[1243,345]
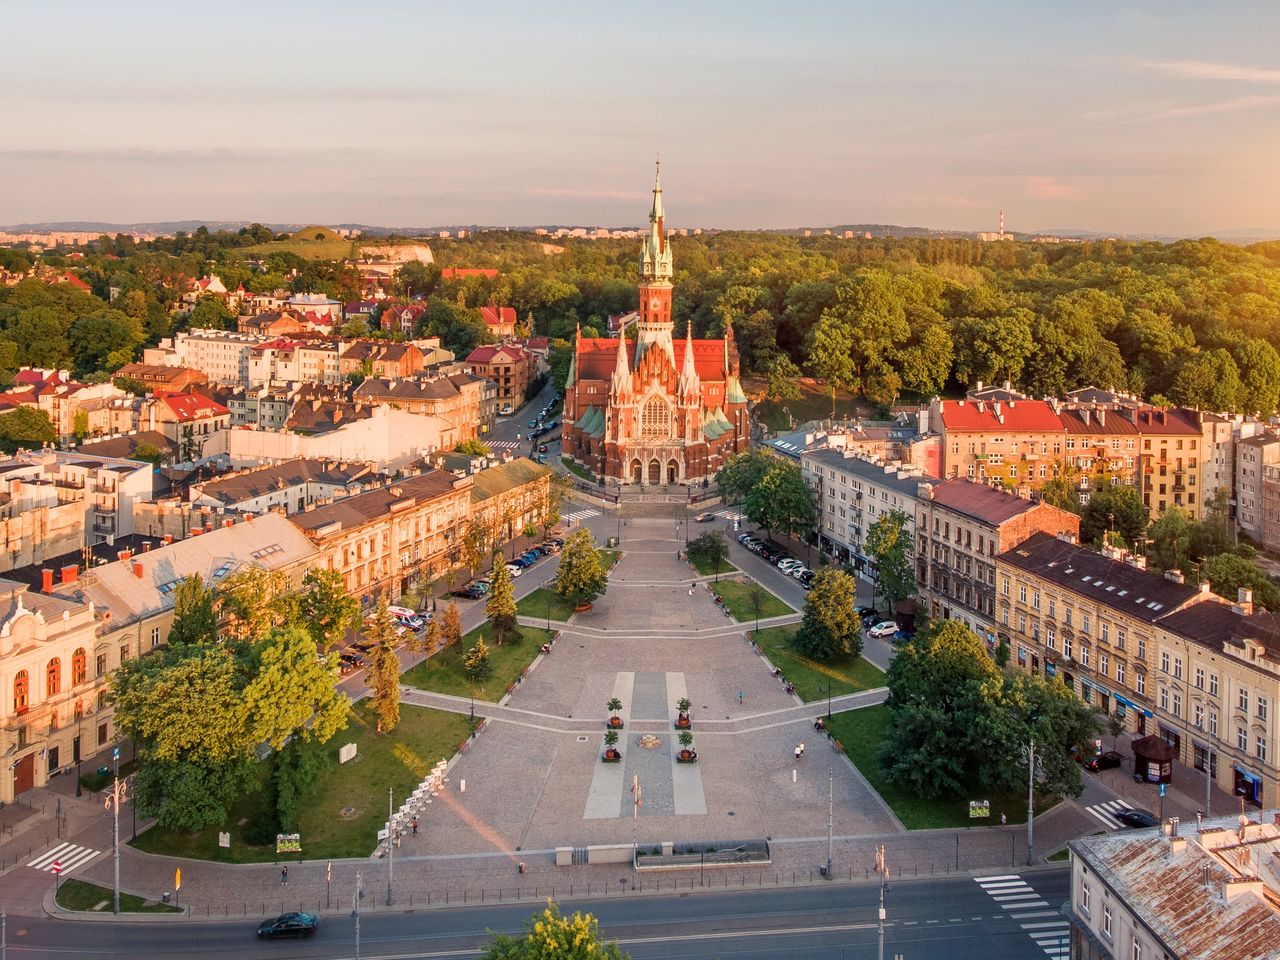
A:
[686,756]
[611,756]
[615,723]
[581,607]
[683,722]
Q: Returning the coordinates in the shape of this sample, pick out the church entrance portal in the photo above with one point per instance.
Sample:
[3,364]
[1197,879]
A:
[673,472]
[637,477]
[655,472]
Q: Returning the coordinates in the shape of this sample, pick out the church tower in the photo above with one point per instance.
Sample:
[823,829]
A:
[654,326]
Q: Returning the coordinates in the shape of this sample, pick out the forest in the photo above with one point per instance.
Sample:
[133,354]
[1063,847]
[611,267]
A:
[1193,322]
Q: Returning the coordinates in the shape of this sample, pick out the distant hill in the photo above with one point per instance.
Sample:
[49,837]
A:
[316,233]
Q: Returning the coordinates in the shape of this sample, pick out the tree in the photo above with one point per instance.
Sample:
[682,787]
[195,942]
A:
[27,426]
[831,354]
[80,425]
[558,486]
[560,359]
[500,606]
[710,550]
[1062,489]
[211,313]
[194,620]
[782,501]
[252,600]
[1119,508]
[473,448]
[287,691]
[477,538]
[1259,365]
[451,625]
[327,610]
[476,662]
[552,936]
[433,639]
[830,629]
[1228,573]
[1170,541]
[783,375]
[741,474]
[581,577]
[942,685]
[1207,381]
[888,546]
[149,453]
[384,672]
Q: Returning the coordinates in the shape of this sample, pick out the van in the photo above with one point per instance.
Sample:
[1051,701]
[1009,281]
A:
[406,617]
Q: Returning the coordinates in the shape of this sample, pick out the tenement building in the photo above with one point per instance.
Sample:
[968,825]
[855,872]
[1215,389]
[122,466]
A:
[657,410]
[961,526]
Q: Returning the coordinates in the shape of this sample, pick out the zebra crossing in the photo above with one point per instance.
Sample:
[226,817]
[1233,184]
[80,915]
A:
[1050,931]
[731,515]
[68,856]
[505,444]
[1106,813]
[579,515]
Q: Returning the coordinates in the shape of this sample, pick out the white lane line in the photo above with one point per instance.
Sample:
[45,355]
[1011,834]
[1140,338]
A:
[1023,905]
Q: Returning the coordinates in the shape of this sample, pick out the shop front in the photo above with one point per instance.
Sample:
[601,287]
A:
[1248,785]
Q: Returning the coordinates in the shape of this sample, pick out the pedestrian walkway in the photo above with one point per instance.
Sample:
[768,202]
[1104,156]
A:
[1049,930]
[505,444]
[1106,813]
[63,858]
[577,516]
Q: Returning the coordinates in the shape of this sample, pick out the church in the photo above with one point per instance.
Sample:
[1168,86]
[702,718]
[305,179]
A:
[654,410]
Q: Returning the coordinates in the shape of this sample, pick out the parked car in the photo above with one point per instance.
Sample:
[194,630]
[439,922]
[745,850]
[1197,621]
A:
[1136,818]
[542,448]
[515,571]
[866,611]
[406,617]
[883,630]
[798,573]
[350,661]
[472,591]
[704,518]
[745,538]
[288,925]
[1105,761]
[787,564]
[534,423]
[549,549]
[806,576]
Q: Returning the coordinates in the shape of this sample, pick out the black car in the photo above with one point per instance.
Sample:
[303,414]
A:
[1104,761]
[473,592]
[288,925]
[1136,818]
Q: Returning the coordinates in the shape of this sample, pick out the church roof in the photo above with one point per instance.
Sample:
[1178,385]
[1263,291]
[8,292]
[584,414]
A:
[592,422]
[715,423]
[595,358]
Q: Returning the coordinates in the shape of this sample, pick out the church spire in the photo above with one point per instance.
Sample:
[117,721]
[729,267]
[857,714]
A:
[655,261]
[621,369]
[689,385]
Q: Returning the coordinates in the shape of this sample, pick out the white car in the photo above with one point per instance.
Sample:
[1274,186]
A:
[800,571]
[883,629]
[786,566]
[515,571]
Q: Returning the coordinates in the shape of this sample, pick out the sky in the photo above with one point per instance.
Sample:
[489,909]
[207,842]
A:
[1159,118]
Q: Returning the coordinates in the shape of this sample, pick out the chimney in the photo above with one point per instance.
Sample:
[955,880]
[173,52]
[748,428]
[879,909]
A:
[1056,404]
[69,573]
[981,406]
[1174,576]
[137,569]
[998,409]
[168,539]
[228,523]
[208,526]
[1244,602]
[46,580]
[1101,414]
[146,546]
[1134,560]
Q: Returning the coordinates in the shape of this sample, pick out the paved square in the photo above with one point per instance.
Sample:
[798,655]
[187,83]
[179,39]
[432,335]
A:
[535,781]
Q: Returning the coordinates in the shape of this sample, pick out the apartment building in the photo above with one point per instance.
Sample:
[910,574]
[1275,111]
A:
[510,367]
[457,398]
[1253,455]
[157,377]
[1091,619]
[264,407]
[290,486]
[508,497]
[39,518]
[853,492]
[189,420]
[55,667]
[386,541]
[1183,892]
[1016,443]
[1172,451]
[285,360]
[1100,449]
[381,358]
[221,355]
[961,526]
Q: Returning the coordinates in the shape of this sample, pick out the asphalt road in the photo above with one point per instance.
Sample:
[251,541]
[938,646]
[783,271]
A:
[952,919]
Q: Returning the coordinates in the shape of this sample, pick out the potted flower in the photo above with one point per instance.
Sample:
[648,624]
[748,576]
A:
[611,752]
[687,754]
[682,719]
[613,707]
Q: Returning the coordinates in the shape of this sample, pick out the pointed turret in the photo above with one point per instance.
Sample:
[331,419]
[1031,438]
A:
[573,359]
[621,369]
[689,386]
[655,260]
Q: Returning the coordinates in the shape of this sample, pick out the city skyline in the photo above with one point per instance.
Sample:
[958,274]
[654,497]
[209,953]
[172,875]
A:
[1144,119]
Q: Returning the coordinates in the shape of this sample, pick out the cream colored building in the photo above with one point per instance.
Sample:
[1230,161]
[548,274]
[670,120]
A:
[506,498]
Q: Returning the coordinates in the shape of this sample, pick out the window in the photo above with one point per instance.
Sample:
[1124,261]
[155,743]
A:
[1177,668]
[1164,661]
[1048,635]
[1004,586]
[1140,682]
[1242,739]
[1177,703]
[1105,631]
[1213,684]
[1119,638]
[21,692]
[1136,954]
[1022,593]
[1084,654]
[1086,894]
[1022,623]
[1106,920]
[100,665]
[1142,649]
[1261,749]
[79,666]
[1199,678]
[1213,722]
[1120,671]
[1103,663]
[1164,698]
[1198,715]
[1262,708]
[1242,701]
[1035,600]
[1066,646]
[1053,607]
[1084,623]
[53,677]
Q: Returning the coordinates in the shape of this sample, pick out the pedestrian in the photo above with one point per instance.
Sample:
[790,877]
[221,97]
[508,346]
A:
[691,590]
[284,877]
[797,753]
[741,697]
[1003,820]
[414,824]
[802,749]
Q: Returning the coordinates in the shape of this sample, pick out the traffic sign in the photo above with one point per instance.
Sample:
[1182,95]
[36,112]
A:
[1162,788]
[57,867]
[177,879]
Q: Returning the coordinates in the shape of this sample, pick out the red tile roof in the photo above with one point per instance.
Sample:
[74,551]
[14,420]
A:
[597,358]
[1097,422]
[192,406]
[496,316]
[1023,416]
[489,353]
[1161,420]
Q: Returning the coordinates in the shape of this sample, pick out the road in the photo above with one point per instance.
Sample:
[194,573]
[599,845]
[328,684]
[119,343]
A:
[953,919]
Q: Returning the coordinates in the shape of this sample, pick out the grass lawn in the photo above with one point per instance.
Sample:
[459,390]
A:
[81,895]
[337,248]
[608,558]
[444,672]
[535,605]
[709,569]
[814,404]
[578,470]
[736,596]
[861,733]
[399,760]
[810,676]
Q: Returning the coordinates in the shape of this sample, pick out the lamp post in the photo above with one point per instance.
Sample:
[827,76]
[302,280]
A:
[356,897]
[828,698]
[112,803]
[391,851]
[1031,785]
[79,746]
[831,809]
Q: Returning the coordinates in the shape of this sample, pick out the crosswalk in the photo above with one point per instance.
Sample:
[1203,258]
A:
[731,515]
[505,444]
[579,515]
[1049,930]
[67,855]
[1106,813]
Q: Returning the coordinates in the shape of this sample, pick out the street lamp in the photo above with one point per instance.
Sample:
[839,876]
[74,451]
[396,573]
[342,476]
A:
[391,849]
[79,745]
[828,698]
[1031,787]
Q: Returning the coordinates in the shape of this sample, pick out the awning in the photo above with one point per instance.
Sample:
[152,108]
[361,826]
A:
[1131,705]
[1101,689]
[1252,778]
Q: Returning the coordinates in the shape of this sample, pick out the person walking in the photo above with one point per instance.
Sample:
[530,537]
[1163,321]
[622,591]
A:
[284,876]
[414,824]
[741,697]
[798,751]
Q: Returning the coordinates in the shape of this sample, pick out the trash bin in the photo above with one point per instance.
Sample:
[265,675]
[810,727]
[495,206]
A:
[822,870]
[611,542]
[104,771]
[164,897]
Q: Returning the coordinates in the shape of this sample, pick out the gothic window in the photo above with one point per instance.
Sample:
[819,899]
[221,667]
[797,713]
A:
[655,418]
[53,677]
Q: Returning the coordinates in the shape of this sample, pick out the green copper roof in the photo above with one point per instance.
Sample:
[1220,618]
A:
[733,391]
[715,424]
[592,422]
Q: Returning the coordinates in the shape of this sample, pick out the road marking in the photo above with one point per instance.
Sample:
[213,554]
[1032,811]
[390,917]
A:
[1023,905]
[68,855]
[1106,813]
[1037,926]
[1013,893]
[989,887]
[730,515]
[580,515]
[1009,897]
[505,444]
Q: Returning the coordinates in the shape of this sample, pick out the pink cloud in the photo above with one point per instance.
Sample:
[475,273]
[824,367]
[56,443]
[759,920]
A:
[1049,188]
